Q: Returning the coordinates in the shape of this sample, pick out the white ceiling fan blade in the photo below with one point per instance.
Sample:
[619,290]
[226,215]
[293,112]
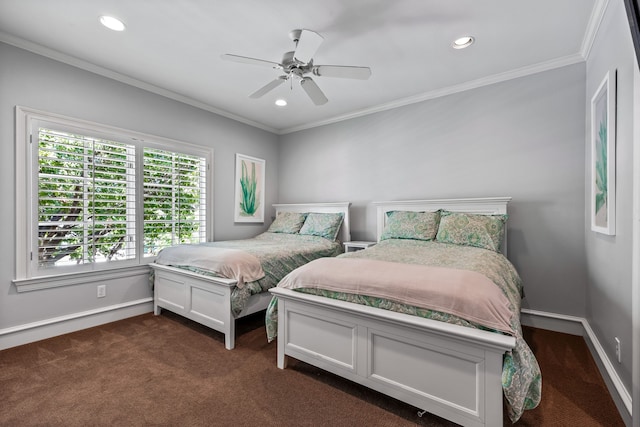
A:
[268,87]
[253,61]
[307,45]
[313,91]
[347,72]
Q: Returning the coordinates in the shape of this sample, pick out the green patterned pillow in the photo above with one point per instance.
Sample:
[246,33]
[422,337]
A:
[287,222]
[481,231]
[324,225]
[411,225]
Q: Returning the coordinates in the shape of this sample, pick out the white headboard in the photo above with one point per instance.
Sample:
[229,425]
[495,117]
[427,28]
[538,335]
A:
[482,205]
[345,231]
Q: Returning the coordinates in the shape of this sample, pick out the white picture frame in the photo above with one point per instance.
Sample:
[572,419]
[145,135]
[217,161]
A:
[249,189]
[603,157]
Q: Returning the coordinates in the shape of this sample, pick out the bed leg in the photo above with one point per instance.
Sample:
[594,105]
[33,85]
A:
[230,335]
[229,341]
[282,335]
[282,357]
[157,309]
[282,360]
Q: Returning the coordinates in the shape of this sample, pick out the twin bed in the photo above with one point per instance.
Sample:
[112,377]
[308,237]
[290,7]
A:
[451,356]
[215,283]
[429,353]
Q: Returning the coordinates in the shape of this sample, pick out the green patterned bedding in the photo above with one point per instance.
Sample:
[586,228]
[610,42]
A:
[278,253]
[521,377]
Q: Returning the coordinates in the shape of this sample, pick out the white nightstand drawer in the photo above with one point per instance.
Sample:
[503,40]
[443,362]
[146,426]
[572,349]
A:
[357,245]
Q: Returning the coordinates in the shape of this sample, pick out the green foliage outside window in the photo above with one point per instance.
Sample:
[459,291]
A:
[173,200]
[87,199]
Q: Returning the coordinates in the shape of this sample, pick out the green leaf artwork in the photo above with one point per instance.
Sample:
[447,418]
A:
[250,198]
[601,166]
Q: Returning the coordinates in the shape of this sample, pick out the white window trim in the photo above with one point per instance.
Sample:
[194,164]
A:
[26,279]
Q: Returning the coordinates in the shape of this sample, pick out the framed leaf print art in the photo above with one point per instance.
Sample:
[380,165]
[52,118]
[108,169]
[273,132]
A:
[603,157]
[249,200]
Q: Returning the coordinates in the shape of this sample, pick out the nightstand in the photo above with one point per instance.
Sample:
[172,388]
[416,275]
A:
[357,245]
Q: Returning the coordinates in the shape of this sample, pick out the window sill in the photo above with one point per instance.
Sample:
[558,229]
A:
[58,280]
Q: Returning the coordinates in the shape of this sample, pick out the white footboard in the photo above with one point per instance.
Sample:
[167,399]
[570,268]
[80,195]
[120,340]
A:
[206,300]
[448,370]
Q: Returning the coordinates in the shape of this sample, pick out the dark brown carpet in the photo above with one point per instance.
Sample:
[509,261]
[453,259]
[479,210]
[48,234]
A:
[166,370]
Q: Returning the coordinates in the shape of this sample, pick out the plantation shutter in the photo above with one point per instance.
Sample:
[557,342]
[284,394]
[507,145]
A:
[93,197]
[86,199]
[174,199]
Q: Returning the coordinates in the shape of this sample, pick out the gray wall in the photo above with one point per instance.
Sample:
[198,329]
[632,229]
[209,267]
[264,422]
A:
[34,81]
[608,296]
[522,138]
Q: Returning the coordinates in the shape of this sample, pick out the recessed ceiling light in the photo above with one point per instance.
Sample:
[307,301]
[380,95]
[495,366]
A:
[463,42]
[281,102]
[112,23]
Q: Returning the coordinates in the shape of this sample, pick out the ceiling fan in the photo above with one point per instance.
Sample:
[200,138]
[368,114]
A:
[298,64]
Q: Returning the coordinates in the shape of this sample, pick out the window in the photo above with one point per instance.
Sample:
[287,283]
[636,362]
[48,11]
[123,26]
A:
[92,197]
[86,198]
[174,199]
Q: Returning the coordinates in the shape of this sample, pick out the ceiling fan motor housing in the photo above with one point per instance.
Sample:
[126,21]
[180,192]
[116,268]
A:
[290,65]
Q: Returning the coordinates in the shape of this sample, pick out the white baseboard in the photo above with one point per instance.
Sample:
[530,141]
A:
[580,326]
[553,322]
[36,331]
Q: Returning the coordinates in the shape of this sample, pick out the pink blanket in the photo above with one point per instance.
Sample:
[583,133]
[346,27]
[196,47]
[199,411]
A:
[466,294]
[229,263]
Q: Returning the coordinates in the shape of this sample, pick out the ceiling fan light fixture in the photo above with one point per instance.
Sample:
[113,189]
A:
[462,42]
[112,23]
[281,102]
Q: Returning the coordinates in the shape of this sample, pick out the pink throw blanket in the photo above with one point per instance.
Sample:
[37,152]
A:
[229,263]
[466,294]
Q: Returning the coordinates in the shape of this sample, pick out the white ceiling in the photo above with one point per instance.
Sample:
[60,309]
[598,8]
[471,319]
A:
[173,47]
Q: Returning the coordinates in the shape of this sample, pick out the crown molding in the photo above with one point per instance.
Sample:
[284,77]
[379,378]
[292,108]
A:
[597,14]
[473,84]
[105,72]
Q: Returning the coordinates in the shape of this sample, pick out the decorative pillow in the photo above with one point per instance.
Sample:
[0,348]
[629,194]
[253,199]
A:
[481,231]
[411,225]
[287,222]
[324,225]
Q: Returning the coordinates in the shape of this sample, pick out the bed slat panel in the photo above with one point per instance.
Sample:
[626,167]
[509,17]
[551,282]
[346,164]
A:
[331,340]
[207,305]
[170,293]
[437,373]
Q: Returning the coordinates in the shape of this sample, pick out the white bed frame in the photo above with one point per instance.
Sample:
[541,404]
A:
[452,371]
[207,300]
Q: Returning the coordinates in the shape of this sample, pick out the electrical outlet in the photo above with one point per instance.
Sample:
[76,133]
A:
[102,291]
[618,350]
